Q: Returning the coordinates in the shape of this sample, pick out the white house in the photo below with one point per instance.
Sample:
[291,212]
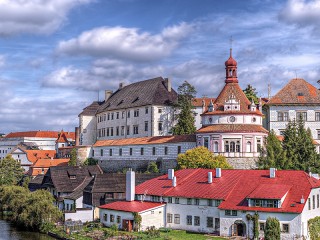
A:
[219,201]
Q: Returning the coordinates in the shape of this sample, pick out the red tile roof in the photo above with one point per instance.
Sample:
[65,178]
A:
[34,155]
[235,186]
[134,206]
[267,191]
[146,140]
[197,102]
[221,128]
[62,138]
[297,91]
[39,134]
[46,163]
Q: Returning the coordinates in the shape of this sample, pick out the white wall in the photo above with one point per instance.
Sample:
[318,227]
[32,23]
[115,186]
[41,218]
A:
[87,130]
[85,215]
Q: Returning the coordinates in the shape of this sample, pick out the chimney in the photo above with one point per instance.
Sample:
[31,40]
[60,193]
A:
[203,105]
[302,200]
[272,172]
[209,177]
[218,172]
[174,181]
[107,94]
[167,83]
[121,85]
[77,131]
[170,174]
[130,185]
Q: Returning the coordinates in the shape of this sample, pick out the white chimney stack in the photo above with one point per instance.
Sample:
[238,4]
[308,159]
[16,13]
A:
[130,185]
[218,172]
[168,84]
[107,94]
[272,172]
[170,174]
[174,181]
[209,177]
[302,200]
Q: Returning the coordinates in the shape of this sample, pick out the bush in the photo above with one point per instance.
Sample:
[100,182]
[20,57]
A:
[152,232]
[272,230]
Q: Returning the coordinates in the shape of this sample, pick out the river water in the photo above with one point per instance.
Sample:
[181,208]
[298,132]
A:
[9,232]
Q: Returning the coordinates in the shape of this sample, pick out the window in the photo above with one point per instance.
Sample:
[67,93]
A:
[169,218]
[179,149]
[210,202]
[101,152]
[169,199]
[206,142]
[153,150]
[177,218]
[217,203]
[309,204]
[118,219]
[313,202]
[128,130]
[117,131]
[165,150]
[189,220]
[160,126]
[160,110]
[234,213]
[146,126]
[112,114]
[146,110]
[105,217]
[176,200]
[189,201]
[283,116]
[122,114]
[111,218]
[249,147]
[318,134]
[317,116]
[196,201]
[217,224]
[92,153]
[108,132]
[136,113]
[135,129]
[317,200]
[285,228]
[238,146]
[210,222]
[122,130]
[226,146]
[120,151]
[258,145]
[302,115]
[130,151]
[261,226]
[216,146]
[196,220]
[141,151]
[128,114]
[108,116]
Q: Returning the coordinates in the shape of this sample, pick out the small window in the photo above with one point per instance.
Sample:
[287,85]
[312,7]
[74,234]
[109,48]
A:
[146,126]
[196,220]
[160,110]
[122,130]
[122,114]
[105,217]
[177,218]
[128,114]
[112,114]
[165,150]
[309,204]
[128,130]
[153,150]
[176,200]
[110,152]
[146,110]
[227,212]
[135,129]
[117,131]
[111,218]
[136,113]
[179,149]
[261,226]
[118,219]
[210,222]
[189,201]
[169,199]
[130,151]
[206,142]
[160,127]
[189,220]
[302,115]
[234,212]
[210,202]
[313,201]
[217,203]
[141,151]
[101,152]
[196,201]
[169,218]
[317,116]
[118,115]
[120,151]
[285,228]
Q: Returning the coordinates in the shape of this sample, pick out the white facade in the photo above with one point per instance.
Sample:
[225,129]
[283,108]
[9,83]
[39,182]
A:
[22,158]
[87,129]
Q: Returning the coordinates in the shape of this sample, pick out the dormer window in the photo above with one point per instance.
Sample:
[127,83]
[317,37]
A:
[72,177]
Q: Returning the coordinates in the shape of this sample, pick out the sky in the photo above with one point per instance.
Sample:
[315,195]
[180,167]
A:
[58,56]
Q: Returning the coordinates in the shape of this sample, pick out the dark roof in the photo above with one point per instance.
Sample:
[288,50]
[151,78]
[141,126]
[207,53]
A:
[36,183]
[297,91]
[91,109]
[78,192]
[148,92]
[60,176]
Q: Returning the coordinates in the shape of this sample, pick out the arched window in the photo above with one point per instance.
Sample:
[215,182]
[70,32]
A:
[216,146]
[230,72]
[249,147]
[232,146]
[238,146]
[227,146]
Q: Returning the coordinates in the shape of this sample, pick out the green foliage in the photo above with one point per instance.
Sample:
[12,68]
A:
[314,228]
[33,210]
[152,232]
[90,161]
[73,158]
[11,171]
[272,155]
[137,219]
[185,124]
[201,157]
[152,168]
[256,226]
[251,94]
[272,229]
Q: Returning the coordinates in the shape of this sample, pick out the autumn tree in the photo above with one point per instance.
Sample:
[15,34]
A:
[185,117]
[11,171]
[251,94]
[201,157]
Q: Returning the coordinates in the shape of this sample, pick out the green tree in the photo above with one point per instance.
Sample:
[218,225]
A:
[272,155]
[201,157]
[272,229]
[73,158]
[152,168]
[11,171]
[185,124]
[90,161]
[251,94]
[314,228]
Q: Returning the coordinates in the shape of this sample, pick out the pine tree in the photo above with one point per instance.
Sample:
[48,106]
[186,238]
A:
[185,124]
[289,144]
[251,94]
[272,230]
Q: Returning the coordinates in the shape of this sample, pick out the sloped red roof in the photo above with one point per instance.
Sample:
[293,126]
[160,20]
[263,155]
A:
[134,206]
[46,163]
[235,186]
[62,138]
[221,128]
[267,191]
[197,102]
[146,140]
[34,155]
[39,134]
[297,91]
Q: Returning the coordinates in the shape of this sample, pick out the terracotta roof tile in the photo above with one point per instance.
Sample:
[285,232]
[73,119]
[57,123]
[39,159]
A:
[232,128]
[39,134]
[134,206]
[197,102]
[146,140]
[34,155]
[297,91]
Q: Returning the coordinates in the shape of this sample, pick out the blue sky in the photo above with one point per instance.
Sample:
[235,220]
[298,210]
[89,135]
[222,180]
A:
[56,55]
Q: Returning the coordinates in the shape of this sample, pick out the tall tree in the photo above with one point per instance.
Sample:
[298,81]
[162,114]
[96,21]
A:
[272,155]
[73,158]
[272,229]
[11,171]
[185,124]
[251,94]
[201,157]
[289,143]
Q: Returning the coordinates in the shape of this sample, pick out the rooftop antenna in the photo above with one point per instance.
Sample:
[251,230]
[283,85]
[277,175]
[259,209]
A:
[231,41]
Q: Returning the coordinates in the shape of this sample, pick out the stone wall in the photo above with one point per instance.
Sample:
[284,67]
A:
[243,163]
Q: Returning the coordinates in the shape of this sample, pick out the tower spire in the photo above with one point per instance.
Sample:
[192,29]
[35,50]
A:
[231,67]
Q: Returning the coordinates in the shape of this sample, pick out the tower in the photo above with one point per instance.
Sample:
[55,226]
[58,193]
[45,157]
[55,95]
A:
[231,69]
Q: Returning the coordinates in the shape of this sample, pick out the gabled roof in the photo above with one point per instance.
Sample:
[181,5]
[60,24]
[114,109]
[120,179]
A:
[134,206]
[91,110]
[148,92]
[297,91]
[235,187]
[78,191]
[231,128]
[39,134]
[198,102]
[34,155]
[146,140]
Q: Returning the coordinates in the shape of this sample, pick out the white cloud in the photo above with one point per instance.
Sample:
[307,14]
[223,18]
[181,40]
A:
[126,43]
[34,16]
